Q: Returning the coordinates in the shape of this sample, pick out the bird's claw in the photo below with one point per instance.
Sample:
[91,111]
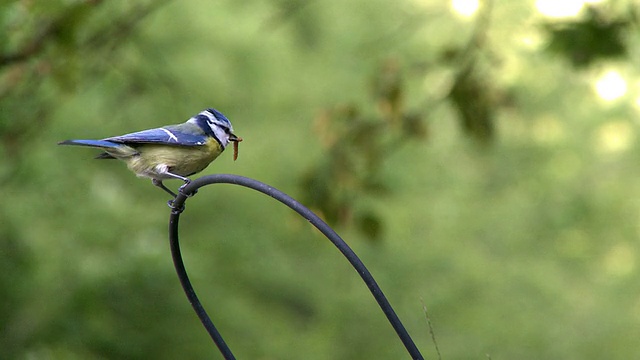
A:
[175,209]
[181,190]
[171,203]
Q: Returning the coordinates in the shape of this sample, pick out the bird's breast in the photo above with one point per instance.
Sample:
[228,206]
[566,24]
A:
[181,160]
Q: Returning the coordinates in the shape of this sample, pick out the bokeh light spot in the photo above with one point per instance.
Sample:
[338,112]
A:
[611,86]
[560,8]
[465,7]
[615,137]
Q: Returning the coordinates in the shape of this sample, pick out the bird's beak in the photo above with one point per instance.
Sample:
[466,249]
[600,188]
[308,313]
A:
[233,137]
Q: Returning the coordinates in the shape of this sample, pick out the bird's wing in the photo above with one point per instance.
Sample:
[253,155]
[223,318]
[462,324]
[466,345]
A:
[168,135]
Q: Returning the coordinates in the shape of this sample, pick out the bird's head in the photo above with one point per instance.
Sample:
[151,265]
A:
[213,123]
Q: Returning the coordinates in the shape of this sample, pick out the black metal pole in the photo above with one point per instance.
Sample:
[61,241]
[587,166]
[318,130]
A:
[188,288]
[192,187]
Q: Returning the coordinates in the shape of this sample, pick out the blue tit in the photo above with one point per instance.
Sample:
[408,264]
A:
[169,152]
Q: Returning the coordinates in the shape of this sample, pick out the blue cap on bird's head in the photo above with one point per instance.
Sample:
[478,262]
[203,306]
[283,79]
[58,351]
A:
[218,115]
[212,117]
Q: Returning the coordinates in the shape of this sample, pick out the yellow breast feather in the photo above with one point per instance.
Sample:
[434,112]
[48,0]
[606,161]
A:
[180,160]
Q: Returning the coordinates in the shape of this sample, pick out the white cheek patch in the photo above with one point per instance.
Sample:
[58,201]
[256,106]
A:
[171,135]
[220,135]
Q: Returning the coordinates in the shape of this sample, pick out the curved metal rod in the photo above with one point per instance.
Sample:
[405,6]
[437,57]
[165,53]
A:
[178,206]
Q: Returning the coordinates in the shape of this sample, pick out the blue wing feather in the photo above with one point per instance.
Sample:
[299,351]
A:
[168,135]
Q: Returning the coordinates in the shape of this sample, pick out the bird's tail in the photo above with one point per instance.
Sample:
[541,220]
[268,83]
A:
[113,150]
[91,143]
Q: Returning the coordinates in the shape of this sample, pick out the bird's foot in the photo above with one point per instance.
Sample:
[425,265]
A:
[174,209]
[181,189]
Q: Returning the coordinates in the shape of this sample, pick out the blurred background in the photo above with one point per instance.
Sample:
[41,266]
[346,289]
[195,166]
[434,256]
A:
[480,157]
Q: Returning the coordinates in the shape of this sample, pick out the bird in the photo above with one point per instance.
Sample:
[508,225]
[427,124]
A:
[171,151]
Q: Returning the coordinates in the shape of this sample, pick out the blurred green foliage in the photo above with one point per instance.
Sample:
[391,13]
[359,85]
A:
[470,162]
[357,148]
[598,35]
